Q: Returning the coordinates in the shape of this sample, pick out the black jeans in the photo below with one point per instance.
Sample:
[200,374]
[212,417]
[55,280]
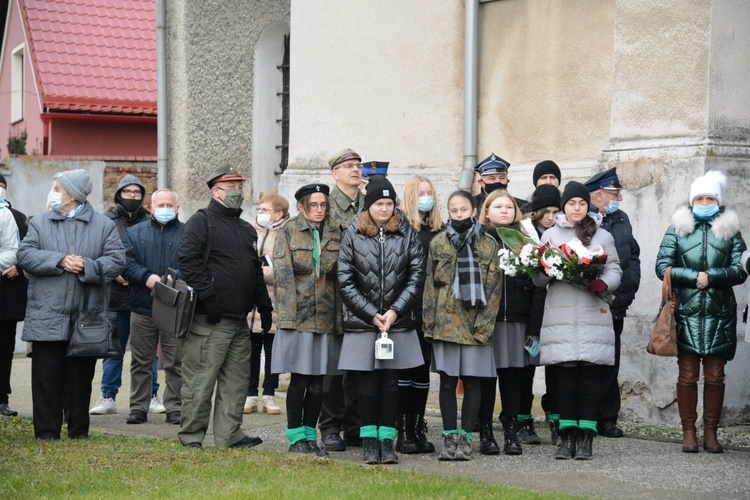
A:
[303,400]
[378,398]
[609,392]
[578,392]
[7,346]
[259,343]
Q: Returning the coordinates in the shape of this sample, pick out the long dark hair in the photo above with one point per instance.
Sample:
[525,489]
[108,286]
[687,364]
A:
[586,230]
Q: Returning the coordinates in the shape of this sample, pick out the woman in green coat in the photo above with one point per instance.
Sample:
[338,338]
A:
[704,248]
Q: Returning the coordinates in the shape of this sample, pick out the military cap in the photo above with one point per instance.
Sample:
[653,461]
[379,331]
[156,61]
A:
[342,156]
[604,180]
[225,172]
[493,164]
[372,168]
[310,189]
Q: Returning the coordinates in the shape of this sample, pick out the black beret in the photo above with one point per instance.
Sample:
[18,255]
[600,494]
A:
[310,189]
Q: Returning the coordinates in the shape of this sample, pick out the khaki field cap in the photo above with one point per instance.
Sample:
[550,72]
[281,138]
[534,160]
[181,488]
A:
[342,156]
[223,173]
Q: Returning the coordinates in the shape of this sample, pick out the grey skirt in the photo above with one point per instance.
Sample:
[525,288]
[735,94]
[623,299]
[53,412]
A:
[305,353]
[459,360]
[358,352]
[507,342]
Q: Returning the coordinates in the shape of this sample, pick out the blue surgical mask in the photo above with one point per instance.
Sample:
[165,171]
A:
[613,206]
[425,203]
[705,213]
[164,215]
[531,344]
[54,200]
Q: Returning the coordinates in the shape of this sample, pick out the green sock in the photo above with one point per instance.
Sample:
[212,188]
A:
[295,435]
[554,416]
[387,433]
[564,424]
[368,431]
[469,435]
[589,425]
[311,434]
[525,417]
[447,433]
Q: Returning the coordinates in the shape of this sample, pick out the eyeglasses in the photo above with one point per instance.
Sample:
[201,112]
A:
[349,166]
[315,206]
[266,211]
[131,193]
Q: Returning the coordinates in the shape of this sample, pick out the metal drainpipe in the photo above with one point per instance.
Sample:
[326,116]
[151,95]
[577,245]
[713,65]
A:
[161,95]
[471,91]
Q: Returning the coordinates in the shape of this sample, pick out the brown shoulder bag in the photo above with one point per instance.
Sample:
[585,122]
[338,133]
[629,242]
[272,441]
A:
[663,341]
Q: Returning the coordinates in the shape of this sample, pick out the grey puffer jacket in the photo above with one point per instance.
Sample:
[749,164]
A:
[376,276]
[55,294]
[577,325]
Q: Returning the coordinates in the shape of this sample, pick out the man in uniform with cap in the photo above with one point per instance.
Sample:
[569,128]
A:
[493,174]
[340,409]
[371,170]
[218,256]
[605,190]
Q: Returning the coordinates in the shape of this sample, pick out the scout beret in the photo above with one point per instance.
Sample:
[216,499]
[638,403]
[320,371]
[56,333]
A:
[310,189]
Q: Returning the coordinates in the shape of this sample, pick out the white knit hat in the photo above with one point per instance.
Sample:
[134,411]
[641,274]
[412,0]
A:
[710,184]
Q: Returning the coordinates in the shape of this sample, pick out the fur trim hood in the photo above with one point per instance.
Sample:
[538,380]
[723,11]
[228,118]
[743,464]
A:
[724,227]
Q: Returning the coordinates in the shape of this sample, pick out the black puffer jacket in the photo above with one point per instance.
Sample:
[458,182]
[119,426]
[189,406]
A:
[376,276]
[618,225]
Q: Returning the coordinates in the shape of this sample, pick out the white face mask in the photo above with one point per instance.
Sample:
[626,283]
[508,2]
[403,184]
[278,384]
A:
[264,220]
[54,200]
[2,194]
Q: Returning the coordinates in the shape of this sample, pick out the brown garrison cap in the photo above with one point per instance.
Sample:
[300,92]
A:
[223,173]
[342,156]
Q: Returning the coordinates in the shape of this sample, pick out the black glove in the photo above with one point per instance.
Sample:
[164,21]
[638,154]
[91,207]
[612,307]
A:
[266,320]
[213,310]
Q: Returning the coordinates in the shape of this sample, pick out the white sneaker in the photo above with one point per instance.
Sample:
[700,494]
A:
[156,406]
[105,406]
[251,404]
[270,406]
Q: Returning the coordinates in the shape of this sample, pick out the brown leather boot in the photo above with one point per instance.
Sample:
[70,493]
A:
[713,401]
[687,400]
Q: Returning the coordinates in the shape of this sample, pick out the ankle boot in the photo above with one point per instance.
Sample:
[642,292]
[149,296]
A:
[387,455]
[511,445]
[526,432]
[584,444]
[713,400]
[567,449]
[420,428]
[370,451]
[687,400]
[554,432]
[487,443]
[406,441]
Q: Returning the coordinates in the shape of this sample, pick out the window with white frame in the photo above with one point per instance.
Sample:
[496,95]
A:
[17,85]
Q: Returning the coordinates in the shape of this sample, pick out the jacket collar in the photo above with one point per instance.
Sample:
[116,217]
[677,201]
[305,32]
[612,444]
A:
[85,215]
[222,211]
[724,227]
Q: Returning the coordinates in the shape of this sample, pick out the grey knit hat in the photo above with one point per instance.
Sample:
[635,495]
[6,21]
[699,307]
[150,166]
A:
[77,183]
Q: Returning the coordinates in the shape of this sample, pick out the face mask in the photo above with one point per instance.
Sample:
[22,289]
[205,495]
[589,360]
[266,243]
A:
[264,220]
[613,206]
[54,200]
[462,225]
[488,188]
[531,345]
[233,198]
[2,194]
[425,203]
[705,214]
[164,215]
[130,205]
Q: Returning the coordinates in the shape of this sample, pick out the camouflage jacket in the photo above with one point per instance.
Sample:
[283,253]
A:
[343,208]
[444,317]
[304,302]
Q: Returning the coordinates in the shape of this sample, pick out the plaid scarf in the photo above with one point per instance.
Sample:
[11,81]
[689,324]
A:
[468,283]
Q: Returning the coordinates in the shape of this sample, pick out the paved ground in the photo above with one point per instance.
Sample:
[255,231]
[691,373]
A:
[621,468]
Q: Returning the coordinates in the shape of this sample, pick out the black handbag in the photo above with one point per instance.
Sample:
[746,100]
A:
[93,334]
[174,305]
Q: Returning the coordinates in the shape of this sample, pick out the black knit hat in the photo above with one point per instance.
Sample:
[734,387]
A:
[378,188]
[546,167]
[574,189]
[544,196]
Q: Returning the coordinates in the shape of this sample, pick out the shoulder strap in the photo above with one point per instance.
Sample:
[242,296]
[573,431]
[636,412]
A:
[666,286]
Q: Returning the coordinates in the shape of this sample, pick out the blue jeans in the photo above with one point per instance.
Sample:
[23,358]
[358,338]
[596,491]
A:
[112,367]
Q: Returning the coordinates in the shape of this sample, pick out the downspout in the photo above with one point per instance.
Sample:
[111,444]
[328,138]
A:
[161,95]
[471,91]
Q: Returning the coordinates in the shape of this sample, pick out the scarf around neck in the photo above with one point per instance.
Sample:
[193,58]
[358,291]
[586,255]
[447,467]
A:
[467,286]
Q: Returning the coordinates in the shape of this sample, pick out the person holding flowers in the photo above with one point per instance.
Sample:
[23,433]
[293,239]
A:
[577,334]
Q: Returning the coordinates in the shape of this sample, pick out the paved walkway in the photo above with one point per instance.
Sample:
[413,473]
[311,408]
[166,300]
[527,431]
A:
[621,468]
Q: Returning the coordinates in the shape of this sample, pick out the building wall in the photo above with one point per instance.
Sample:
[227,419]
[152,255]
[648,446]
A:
[92,138]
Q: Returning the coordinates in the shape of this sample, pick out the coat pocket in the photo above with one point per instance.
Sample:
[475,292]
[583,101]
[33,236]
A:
[444,270]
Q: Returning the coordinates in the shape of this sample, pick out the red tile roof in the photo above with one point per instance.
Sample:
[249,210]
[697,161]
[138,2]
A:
[94,55]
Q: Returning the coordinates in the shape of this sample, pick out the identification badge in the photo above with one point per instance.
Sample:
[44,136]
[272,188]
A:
[384,347]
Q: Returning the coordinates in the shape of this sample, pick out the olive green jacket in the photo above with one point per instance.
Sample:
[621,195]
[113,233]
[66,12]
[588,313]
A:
[305,302]
[343,209]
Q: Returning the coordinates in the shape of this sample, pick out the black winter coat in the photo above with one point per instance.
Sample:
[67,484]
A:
[375,276]
[13,292]
[618,225]
[425,236]
[118,294]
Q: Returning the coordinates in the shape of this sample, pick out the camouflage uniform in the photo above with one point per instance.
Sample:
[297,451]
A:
[304,303]
[343,208]
[444,317]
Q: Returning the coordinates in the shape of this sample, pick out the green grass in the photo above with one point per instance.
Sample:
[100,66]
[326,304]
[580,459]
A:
[116,466]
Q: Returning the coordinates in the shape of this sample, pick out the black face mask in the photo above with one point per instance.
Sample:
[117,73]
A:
[488,188]
[461,226]
[130,205]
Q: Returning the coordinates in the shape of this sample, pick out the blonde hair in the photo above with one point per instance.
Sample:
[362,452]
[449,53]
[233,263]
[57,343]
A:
[501,193]
[278,202]
[409,205]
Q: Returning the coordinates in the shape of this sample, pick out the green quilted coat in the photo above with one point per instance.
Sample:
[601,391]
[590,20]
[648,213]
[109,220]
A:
[706,319]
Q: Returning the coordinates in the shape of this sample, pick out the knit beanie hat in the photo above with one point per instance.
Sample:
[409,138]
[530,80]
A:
[544,196]
[574,189]
[77,183]
[546,167]
[710,184]
[377,188]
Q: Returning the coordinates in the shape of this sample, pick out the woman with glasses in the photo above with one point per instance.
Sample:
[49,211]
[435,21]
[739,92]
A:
[305,260]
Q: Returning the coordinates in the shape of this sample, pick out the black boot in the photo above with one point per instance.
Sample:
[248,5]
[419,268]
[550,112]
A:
[511,445]
[567,448]
[526,432]
[387,455]
[370,451]
[487,443]
[406,440]
[554,430]
[420,428]
[584,444]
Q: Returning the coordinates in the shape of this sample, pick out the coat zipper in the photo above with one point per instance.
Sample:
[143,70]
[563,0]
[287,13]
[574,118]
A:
[703,292]
[381,239]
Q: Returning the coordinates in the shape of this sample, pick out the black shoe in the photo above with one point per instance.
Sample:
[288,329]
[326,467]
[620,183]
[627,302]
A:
[554,430]
[47,437]
[567,448]
[300,447]
[407,441]
[85,437]
[6,411]
[193,446]
[420,434]
[333,442]
[173,417]
[511,446]
[526,432]
[136,417]
[584,444]
[487,443]
[247,442]
[610,430]
[314,450]
[387,455]
[370,451]
[353,442]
